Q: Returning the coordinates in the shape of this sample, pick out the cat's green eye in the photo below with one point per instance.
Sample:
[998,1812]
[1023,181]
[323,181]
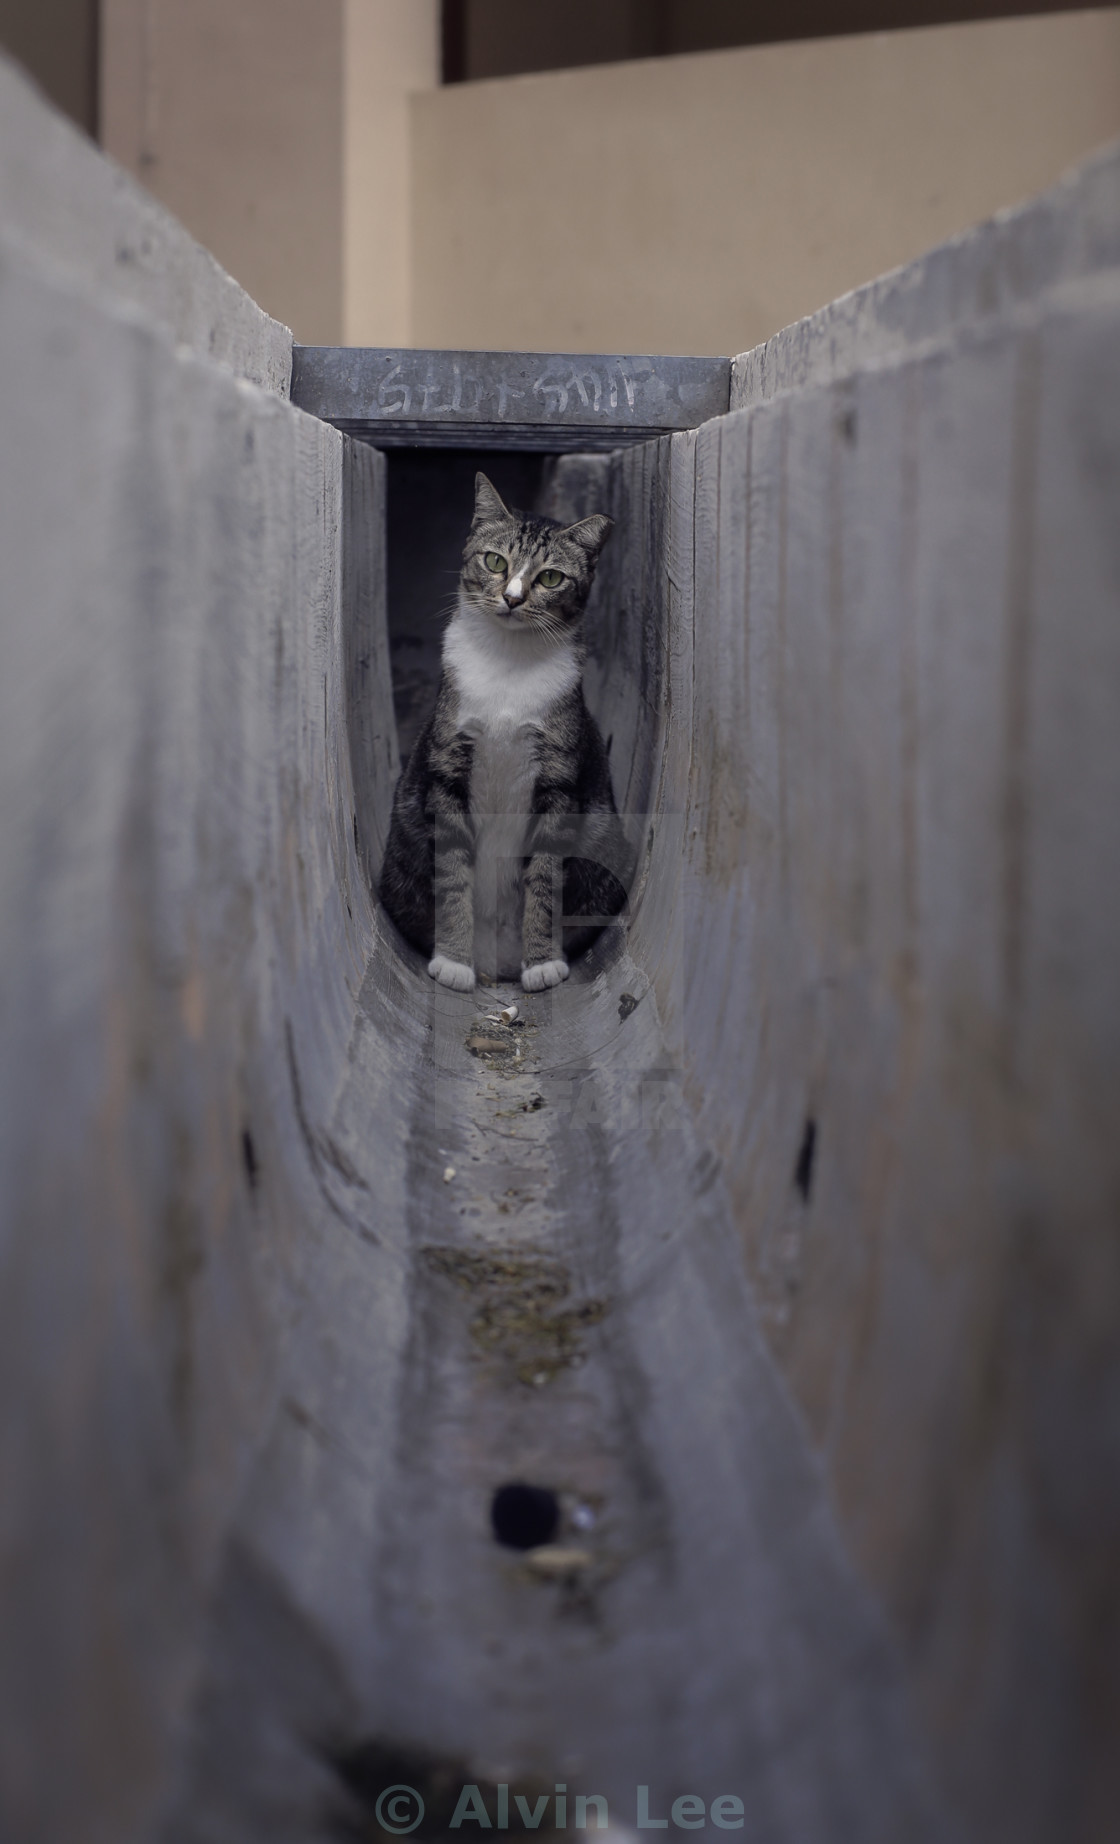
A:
[550,579]
[495,563]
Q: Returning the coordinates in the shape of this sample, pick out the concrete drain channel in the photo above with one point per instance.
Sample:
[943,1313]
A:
[682,1404]
[580,1573]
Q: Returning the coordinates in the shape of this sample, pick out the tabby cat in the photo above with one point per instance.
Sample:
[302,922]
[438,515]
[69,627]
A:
[506,801]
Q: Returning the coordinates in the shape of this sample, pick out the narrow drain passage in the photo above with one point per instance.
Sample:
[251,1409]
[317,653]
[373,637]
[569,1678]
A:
[516,1521]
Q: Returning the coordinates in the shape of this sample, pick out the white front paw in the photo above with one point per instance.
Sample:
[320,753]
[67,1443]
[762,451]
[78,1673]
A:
[451,973]
[544,973]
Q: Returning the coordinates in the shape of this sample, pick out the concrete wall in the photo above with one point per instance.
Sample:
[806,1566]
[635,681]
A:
[230,116]
[694,204]
[501,38]
[698,204]
[391,48]
[183,929]
[276,131]
[90,219]
[889,697]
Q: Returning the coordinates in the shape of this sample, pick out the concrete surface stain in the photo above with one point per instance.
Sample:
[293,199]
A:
[519,1312]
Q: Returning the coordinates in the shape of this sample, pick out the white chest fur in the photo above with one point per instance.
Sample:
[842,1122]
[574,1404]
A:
[505,677]
[506,683]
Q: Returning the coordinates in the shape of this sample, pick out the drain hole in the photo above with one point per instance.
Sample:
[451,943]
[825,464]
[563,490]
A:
[803,1170]
[249,1156]
[524,1515]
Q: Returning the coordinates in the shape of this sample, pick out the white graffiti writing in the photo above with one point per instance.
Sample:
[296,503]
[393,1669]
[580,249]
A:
[559,391]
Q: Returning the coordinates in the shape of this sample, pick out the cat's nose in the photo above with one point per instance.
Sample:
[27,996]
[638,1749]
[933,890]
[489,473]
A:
[514,593]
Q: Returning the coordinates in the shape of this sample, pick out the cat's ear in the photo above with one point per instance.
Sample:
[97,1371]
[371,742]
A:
[590,534]
[487,500]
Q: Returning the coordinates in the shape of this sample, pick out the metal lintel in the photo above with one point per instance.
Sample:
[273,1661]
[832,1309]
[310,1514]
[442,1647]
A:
[408,398]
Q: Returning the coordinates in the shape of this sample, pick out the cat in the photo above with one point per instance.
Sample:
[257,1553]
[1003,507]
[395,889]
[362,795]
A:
[506,800]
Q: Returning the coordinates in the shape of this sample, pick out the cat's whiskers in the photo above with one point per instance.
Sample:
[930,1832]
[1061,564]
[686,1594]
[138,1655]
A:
[553,628]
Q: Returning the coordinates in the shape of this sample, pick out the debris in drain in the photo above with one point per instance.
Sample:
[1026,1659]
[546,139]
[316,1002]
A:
[626,1004]
[448,1174]
[583,1517]
[555,1560]
[500,1045]
[508,1015]
[533,1106]
[521,1314]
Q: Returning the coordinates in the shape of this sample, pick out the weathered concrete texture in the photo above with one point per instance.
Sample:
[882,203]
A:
[184,930]
[542,1282]
[548,1287]
[894,736]
[401,398]
[72,206]
[854,652]
[1065,236]
[779,1243]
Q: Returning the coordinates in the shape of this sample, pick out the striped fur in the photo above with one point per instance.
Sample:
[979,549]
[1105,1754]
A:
[506,801]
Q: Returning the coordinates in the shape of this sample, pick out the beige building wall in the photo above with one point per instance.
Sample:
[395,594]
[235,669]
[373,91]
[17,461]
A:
[700,203]
[391,48]
[277,131]
[229,111]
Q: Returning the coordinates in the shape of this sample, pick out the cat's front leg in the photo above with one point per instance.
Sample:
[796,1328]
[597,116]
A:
[454,943]
[452,961]
[453,973]
[544,973]
[543,963]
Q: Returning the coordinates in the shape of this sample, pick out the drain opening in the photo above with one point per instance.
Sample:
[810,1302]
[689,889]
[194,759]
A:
[803,1170]
[524,1516]
[249,1159]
